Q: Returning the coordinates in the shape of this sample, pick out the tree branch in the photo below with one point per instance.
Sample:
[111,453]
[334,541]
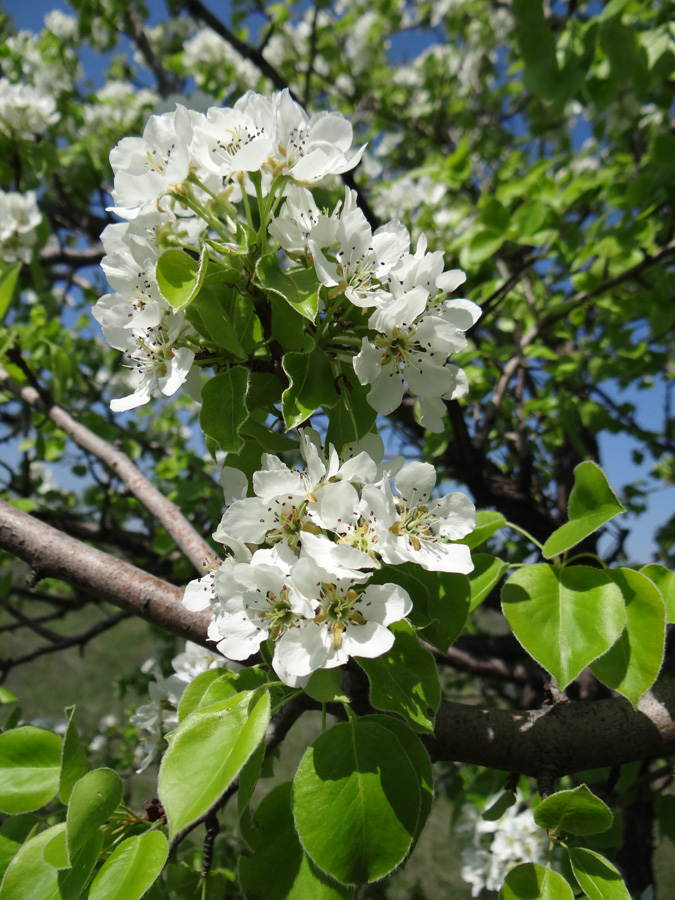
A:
[167,513]
[569,737]
[50,553]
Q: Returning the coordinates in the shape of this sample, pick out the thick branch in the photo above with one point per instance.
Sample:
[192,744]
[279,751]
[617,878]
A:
[50,553]
[567,737]
[167,513]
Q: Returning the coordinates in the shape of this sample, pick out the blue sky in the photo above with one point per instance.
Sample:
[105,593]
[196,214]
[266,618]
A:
[615,450]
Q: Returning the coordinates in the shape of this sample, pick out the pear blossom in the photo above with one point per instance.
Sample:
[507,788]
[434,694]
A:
[422,528]
[348,622]
[306,149]
[161,364]
[19,217]
[25,112]
[256,601]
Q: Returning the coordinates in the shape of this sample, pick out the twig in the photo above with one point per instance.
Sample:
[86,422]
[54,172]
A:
[183,533]
[134,29]
[76,640]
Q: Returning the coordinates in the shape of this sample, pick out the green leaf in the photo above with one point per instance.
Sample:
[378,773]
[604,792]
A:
[530,881]
[356,802]
[419,759]
[210,314]
[487,522]
[6,696]
[13,833]
[30,763]
[664,580]
[564,618]
[131,868]
[311,386]
[94,799]
[528,219]
[276,849]
[73,758]
[270,441]
[597,877]
[592,503]
[577,811]
[221,737]
[8,278]
[494,215]
[30,875]
[180,276]
[224,409]
[505,801]
[632,664]
[351,417]
[448,604]
[300,289]
[404,680]
[195,694]
[325,686]
[487,573]
[481,247]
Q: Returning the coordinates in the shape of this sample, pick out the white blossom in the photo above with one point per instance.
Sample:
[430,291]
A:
[25,111]
[19,217]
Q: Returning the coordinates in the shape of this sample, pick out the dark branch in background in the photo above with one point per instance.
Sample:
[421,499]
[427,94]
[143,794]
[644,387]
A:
[88,256]
[133,27]
[183,533]
[58,642]
[569,737]
[197,9]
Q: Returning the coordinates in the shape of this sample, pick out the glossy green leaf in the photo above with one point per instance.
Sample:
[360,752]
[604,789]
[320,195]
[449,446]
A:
[276,849]
[597,877]
[180,276]
[530,881]
[633,663]
[224,409]
[448,605]
[8,278]
[664,580]
[312,385]
[13,833]
[564,618]
[30,763]
[404,680]
[131,868]
[73,758]
[356,802]
[195,694]
[30,875]
[487,573]
[487,522]
[300,289]
[214,313]
[6,696]
[351,417]
[504,802]
[221,737]
[576,811]
[419,759]
[592,503]
[325,686]
[93,800]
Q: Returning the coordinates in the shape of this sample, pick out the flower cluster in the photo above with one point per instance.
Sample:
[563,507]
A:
[304,548]
[19,217]
[188,182]
[497,846]
[418,326]
[25,112]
